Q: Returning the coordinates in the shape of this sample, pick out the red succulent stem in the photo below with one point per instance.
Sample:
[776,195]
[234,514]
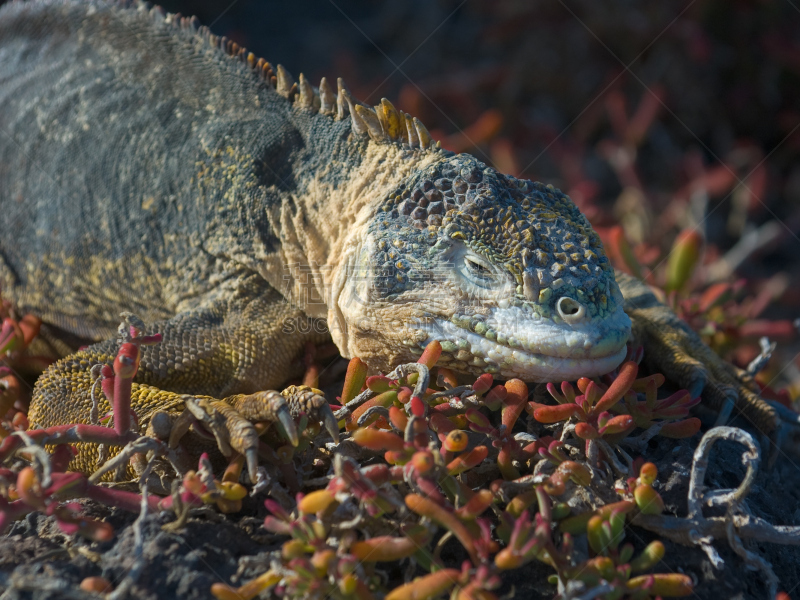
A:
[614,393]
[505,458]
[514,403]
[129,501]
[67,434]
[125,366]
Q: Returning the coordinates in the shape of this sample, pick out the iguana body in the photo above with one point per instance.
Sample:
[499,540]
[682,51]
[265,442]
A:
[148,166]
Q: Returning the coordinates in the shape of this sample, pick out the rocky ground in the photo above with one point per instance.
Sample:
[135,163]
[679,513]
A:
[38,561]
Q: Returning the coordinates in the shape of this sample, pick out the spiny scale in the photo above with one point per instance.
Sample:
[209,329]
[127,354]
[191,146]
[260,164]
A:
[327,98]
[383,123]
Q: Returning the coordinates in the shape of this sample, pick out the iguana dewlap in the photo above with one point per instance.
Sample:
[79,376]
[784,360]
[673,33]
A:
[149,166]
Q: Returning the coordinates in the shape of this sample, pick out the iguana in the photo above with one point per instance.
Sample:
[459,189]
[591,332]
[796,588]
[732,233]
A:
[150,166]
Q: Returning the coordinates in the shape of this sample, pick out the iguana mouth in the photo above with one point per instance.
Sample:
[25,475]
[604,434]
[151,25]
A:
[533,350]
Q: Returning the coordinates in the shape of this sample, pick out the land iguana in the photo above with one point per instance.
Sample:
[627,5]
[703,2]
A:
[150,166]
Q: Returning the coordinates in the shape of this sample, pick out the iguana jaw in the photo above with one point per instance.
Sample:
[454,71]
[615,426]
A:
[532,349]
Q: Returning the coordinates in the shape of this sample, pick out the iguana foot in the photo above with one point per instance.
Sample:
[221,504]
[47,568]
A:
[673,349]
[236,422]
[205,354]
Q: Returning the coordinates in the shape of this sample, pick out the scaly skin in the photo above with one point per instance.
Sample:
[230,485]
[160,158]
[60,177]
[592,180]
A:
[151,167]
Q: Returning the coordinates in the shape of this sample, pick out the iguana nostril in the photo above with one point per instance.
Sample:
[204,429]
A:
[570,310]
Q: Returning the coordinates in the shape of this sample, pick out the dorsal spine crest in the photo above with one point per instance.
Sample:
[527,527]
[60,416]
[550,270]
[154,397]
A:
[382,123]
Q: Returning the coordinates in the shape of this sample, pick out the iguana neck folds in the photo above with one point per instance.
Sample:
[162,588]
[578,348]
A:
[323,230]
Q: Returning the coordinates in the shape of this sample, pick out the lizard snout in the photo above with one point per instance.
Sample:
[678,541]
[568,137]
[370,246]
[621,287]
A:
[572,311]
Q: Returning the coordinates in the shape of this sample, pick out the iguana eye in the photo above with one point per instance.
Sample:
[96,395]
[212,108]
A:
[477,273]
[477,268]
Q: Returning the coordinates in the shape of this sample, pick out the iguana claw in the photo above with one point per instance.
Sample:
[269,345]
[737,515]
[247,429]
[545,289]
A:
[289,428]
[202,411]
[330,422]
[310,401]
[268,406]
[231,420]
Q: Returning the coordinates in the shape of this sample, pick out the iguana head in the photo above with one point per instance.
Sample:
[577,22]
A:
[506,273]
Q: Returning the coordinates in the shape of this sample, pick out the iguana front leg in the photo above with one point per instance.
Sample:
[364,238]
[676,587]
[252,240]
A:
[224,355]
[672,348]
